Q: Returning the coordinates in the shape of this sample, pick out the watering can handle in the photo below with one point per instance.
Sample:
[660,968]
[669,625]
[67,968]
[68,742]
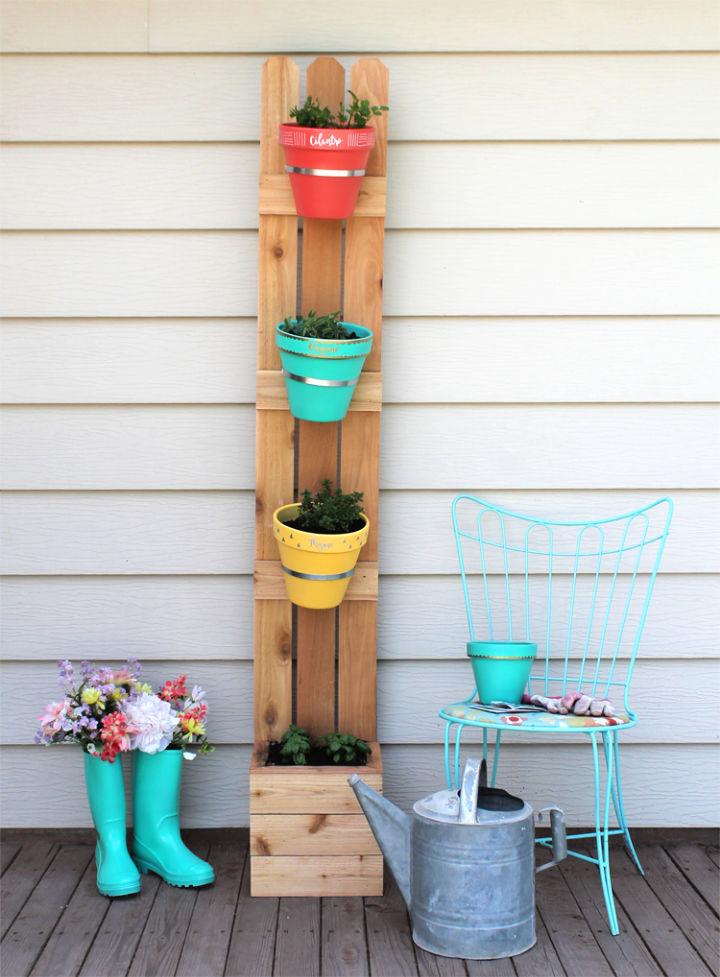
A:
[472,775]
[558,835]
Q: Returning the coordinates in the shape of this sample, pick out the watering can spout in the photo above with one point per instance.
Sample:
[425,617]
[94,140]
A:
[391,827]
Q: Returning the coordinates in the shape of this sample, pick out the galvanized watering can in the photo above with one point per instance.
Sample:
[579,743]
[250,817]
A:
[465,864]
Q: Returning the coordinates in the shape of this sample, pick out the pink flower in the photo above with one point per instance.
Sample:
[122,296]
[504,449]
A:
[115,735]
[54,718]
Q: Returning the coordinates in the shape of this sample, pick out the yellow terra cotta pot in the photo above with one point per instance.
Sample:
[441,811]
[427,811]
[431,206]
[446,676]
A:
[317,566]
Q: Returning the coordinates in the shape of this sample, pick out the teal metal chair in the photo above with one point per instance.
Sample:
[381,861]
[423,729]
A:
[580,591]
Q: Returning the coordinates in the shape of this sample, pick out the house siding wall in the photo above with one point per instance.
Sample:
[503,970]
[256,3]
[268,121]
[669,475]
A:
[553,205]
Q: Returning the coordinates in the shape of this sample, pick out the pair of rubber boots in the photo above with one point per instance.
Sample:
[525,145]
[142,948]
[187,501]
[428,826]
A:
[157,845]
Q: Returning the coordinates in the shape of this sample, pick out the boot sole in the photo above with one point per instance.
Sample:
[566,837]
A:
[121,890]
[144,868]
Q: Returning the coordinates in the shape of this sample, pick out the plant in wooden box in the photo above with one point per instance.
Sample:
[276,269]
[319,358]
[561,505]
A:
[322,357]
[326,155]
[308,836]
[320,539]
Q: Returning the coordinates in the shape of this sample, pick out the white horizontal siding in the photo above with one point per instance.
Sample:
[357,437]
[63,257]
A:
[450,273]
[423,447]
[205,618]
[502,25]
[126,98]
[215,789]
[409,698]
[430,185]
[199,361]
[212,532]
[550,342]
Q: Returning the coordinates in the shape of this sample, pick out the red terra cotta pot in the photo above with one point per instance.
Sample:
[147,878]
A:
[326,167]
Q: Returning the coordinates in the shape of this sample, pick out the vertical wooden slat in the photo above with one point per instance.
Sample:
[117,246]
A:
[360,442]
[277,293]
[318,443]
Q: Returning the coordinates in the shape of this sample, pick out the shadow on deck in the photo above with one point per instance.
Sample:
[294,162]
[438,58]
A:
[55,923]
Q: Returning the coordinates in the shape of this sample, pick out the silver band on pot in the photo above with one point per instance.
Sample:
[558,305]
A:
[317,382]
[312,171]
[317,576]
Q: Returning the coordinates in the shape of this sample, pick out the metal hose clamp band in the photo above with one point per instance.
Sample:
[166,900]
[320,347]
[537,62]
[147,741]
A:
[316,382]
[317,576]
[312,171]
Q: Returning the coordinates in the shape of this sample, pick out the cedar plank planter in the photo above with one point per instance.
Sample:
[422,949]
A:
[308,836]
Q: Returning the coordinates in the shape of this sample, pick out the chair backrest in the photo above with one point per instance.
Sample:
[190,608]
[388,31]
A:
[579,590]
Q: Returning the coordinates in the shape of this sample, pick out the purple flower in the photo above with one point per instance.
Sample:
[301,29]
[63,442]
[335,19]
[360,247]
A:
[87,668]
[105,676]
[66,671]
[134,667]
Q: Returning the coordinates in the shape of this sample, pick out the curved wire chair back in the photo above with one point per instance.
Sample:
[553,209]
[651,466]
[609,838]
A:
[579,590]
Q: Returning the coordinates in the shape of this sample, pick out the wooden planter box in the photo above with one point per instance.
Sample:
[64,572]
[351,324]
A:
[308,836]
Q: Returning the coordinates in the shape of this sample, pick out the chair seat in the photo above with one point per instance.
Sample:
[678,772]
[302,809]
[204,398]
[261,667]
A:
[532,722]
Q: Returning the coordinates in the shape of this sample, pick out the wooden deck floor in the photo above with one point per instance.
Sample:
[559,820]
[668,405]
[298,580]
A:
[55,923]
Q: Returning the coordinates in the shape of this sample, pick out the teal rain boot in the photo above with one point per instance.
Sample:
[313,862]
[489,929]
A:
[116,872]
[157,845]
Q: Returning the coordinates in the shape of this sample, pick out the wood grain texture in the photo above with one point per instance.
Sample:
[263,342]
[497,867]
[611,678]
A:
[317,875]
[310,790]
[423,447]
[171,26]
[297,947]
[140,361]
[211,273]
[206,533]
[194,98]
[311,834]
[344,944]
[317,448]
[523,185]
[252,944]
[215,794]
[407,689]
[273,669]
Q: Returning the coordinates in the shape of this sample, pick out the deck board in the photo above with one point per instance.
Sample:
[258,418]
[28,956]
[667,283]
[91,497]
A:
[57,923]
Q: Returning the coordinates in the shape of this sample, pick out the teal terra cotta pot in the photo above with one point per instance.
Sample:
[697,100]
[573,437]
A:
[501,669]
[321,374]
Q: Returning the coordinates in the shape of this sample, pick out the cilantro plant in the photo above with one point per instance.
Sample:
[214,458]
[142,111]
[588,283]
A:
[314,326]
[295,745]
[328,511]
[345,748]
[356,115]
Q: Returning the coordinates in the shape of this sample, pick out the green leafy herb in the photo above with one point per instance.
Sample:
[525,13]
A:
[329,512]
[295,744]
[314,326]
[356,115]
[345,748]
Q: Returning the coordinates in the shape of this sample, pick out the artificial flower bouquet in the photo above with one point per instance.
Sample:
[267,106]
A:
[110,711]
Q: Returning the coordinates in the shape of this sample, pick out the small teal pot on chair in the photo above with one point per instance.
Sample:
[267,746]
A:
[157,845]
[321,374]
[117,874]
[501,668]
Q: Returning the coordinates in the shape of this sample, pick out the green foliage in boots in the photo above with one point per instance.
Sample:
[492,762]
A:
[355,116]
[345,748]
[295,745]
[314,326]
[328,511]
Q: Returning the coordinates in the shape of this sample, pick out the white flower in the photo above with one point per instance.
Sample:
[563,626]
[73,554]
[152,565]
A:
[155,721]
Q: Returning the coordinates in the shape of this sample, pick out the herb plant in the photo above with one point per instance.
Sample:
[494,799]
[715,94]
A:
[295,745]
[356,116]
[314,326]
[328,511]
[345,748]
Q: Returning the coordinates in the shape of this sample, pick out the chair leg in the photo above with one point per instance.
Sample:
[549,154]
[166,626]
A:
[601,830]
[456,763]
[618,805]
[448,771]
[496,758]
